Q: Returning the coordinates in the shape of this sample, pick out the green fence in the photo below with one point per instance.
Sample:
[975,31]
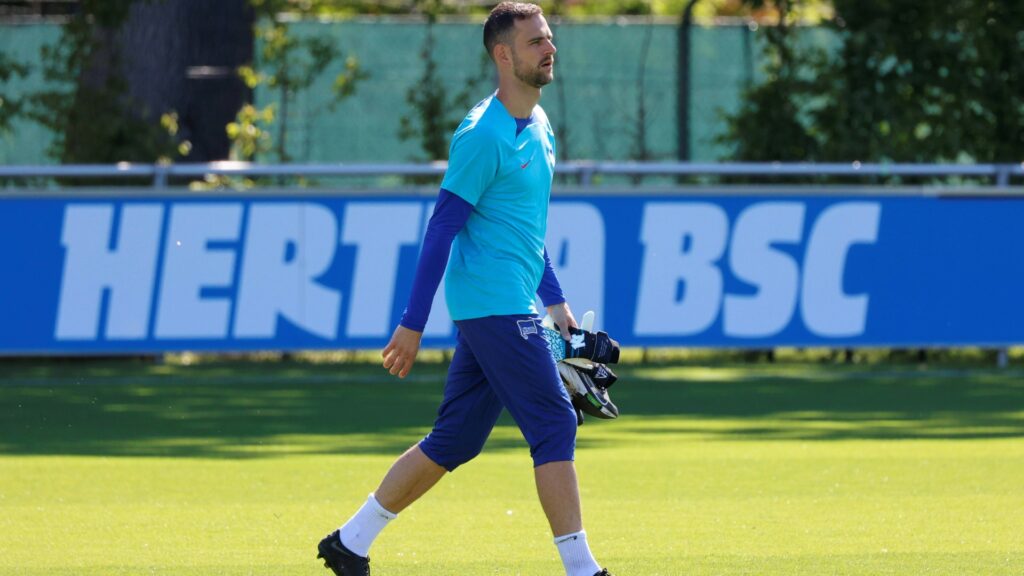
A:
[594,103]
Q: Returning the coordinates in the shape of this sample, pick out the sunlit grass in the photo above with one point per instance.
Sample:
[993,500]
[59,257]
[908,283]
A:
[238,467]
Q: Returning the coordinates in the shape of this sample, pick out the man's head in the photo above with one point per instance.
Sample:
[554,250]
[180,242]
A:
[518,39]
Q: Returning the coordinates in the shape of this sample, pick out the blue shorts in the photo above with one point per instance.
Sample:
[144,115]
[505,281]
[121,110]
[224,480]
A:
[502,362]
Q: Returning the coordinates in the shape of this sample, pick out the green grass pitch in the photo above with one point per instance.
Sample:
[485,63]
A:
[120,468]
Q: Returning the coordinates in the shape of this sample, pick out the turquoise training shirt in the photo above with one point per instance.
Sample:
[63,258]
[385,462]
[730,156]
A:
[497,259]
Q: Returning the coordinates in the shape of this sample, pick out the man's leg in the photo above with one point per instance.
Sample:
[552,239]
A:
[519,367]
[559,496]
[410,477]
[464,421]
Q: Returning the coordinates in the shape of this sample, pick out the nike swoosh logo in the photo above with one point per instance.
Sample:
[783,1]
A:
[526,164]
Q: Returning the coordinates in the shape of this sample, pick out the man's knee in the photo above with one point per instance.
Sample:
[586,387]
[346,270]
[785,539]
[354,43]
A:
[452,453]
[556,442]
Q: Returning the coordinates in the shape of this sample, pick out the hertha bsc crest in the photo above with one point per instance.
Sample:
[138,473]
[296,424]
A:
[527,327]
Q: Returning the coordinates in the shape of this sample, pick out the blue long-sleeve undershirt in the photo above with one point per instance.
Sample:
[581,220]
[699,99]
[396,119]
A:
[450,215]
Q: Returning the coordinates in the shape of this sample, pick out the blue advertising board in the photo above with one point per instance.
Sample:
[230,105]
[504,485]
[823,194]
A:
[145,273]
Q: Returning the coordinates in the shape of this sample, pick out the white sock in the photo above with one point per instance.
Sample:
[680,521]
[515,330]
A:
[576,556]
[363,527]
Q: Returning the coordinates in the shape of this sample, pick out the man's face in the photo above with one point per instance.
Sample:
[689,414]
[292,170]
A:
[533,53]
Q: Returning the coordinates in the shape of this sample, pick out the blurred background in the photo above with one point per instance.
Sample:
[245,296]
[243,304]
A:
[98,82]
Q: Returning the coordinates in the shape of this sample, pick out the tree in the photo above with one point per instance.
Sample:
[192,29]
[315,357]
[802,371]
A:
[809,11]
[768,125]
[908,82]
[89,111]
[10,108]
[289,65]
[144,80]
[140,80]
[436,112]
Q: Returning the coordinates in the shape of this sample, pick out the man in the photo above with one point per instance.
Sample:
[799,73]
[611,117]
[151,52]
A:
[491,216]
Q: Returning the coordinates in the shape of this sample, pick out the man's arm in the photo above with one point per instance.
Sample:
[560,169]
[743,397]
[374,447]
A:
[550,292]
[450,215]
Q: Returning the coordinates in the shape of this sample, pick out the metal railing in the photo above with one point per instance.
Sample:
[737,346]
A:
[586,173]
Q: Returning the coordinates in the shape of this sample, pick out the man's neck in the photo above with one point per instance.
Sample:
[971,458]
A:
[518,99]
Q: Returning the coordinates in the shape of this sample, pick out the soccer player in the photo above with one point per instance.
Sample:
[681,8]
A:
[491,218]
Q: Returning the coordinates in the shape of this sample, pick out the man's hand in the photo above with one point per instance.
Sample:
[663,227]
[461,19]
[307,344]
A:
[563,318]
[400,353]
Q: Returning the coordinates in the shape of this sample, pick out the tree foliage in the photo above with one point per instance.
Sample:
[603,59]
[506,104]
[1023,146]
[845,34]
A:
[86,105]
[10,107]
[808,11]
[86,102]
[288,64]
[435,111]
[909,82]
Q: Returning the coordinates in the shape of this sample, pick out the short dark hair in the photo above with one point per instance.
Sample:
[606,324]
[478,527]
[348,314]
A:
[503,19]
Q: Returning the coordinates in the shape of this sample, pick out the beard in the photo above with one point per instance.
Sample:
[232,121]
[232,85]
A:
[535,76]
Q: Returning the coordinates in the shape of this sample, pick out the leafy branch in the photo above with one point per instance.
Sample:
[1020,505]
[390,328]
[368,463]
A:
[10,108]
[436,113]
[290,65]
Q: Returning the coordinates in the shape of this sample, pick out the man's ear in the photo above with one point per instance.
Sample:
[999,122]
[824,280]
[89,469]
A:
[502,53]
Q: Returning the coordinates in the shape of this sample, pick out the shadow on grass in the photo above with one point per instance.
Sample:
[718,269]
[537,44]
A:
[829,403]
[271,409]
[238,410]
